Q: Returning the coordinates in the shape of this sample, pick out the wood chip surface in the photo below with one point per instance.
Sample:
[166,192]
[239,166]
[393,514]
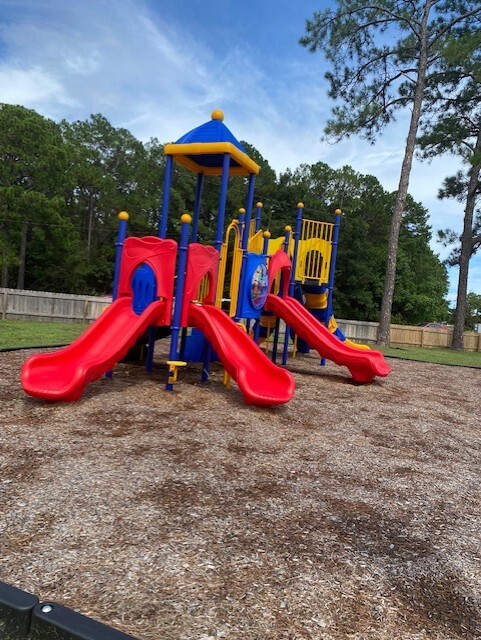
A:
[353,512]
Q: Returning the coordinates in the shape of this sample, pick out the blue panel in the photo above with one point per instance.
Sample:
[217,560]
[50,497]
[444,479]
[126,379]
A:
[144,286]
[195,348]
[256,287]
[212,160]
[212,131]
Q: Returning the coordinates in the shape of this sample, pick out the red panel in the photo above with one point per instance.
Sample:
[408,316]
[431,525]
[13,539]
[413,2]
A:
[201,260]
[161,256]
[280,261]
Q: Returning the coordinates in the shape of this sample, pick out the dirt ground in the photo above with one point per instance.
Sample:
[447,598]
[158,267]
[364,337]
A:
[352,512]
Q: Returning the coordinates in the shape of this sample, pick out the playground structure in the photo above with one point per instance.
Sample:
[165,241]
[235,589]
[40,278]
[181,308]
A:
[159,282]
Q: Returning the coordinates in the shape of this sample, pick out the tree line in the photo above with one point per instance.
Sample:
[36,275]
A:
[62,185]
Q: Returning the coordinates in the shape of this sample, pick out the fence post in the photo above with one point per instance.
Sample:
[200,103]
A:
[4,305]
[52,308]
[85,310]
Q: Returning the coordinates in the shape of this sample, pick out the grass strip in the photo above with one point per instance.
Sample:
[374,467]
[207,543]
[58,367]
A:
[26,333]
[15,334]
[436,356]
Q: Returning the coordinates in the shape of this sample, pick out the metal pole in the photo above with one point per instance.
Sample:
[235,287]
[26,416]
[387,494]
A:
[288,231]
[332,266]
[245,241]
[122,232]
[259,206]
[297,233]
[186,219]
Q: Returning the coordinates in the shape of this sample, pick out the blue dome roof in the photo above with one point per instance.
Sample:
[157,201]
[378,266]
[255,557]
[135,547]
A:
[203,149]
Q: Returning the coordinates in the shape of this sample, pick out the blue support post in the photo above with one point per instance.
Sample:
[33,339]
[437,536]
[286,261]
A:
[332,266]
[297,234]
[164,215]
[265,246]
[241,221]
[122,232]
[250,201]
[149,360]
[287,238]
[265,251]
[179,291]
[224,184]
[198,201]
[245,239]
[259,206]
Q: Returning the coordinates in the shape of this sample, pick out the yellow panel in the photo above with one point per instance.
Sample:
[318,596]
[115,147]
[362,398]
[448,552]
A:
[180,153]
[278,243]
[314,252]
[233,228]
[256,242]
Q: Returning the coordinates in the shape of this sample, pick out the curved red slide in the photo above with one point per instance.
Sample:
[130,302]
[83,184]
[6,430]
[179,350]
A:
[363,365]
[261,382]
[64,374]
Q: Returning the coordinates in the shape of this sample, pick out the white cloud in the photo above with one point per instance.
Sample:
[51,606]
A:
[32,88]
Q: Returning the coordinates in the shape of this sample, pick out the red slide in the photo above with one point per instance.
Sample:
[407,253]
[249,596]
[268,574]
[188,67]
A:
[261,381]
[64,374]
[363,365]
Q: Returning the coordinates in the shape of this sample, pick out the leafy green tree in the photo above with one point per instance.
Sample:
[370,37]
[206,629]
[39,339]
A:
[110,170]
[32,180]
[382,53]
[455,91]
[366,206]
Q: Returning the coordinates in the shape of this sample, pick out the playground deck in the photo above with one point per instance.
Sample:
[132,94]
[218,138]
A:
[352,512]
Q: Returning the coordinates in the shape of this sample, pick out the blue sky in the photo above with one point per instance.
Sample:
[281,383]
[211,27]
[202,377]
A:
[159,68]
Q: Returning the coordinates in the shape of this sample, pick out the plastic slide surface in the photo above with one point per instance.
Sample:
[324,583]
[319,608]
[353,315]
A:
[261,382]
[364,365]
[64,374]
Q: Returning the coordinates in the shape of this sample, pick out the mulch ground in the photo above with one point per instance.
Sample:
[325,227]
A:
[352,512]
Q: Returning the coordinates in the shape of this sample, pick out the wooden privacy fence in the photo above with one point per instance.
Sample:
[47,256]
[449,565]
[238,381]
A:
[408,336]
[17,304]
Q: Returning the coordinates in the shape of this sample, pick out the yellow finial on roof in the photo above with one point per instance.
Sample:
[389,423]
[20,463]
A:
[217,114]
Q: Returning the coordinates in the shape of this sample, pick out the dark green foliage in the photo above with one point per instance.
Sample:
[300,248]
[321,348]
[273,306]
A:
[33,169]
[98,170]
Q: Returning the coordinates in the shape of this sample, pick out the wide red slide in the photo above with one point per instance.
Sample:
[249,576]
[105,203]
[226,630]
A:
[261,382]
[363,365]
[64,374]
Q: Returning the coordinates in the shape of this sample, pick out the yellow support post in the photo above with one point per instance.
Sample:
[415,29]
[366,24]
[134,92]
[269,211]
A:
[174,369]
